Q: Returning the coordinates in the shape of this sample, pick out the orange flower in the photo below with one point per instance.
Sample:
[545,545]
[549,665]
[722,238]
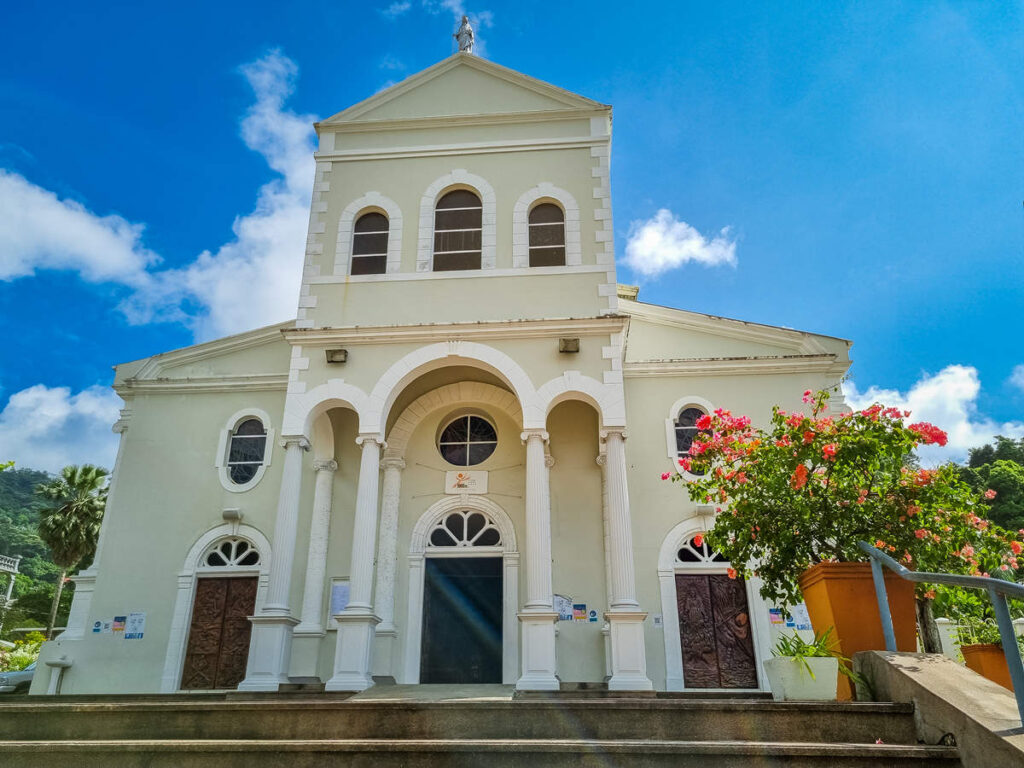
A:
[732,573]
[799,477]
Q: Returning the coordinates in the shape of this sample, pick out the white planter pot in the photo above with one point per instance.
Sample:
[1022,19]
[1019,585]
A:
[790,682]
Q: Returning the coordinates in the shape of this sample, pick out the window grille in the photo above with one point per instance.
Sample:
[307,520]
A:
[547,236]
[248,447]
[467,528]
[370,245]
[458,231]
[467,440]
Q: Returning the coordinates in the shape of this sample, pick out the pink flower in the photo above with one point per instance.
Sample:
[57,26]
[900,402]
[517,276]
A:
[808,396]
[829,451]
[967,551]
[666,475]
[990,494]
[704,422]
[808,437]
[1016,547]
[929,433]
[921,533]
[698,540]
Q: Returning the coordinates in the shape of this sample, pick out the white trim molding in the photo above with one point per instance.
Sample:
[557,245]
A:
[224,446]
[419,551]
[187,578]
[371,201]
[670,429]
[545,192]
[457,179]
[606,399]
[668,567]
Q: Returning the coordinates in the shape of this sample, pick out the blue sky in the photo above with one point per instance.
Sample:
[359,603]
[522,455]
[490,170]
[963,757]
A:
[865,162]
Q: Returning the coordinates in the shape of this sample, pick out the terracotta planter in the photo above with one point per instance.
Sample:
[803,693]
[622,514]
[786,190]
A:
[842,595]
[988,660]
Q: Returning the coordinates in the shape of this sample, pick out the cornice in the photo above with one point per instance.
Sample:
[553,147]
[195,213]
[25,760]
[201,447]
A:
[405,334]
[259,382]
[198,352]
[466,148]
[735,366]
[461,274]
[449,121]
[799,341]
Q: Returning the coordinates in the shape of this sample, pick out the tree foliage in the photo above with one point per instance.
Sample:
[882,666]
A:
[999,467]
[809,487]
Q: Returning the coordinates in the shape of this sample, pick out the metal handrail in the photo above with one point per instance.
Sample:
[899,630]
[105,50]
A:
[997,589]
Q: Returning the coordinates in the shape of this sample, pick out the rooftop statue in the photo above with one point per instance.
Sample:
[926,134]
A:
[465,36]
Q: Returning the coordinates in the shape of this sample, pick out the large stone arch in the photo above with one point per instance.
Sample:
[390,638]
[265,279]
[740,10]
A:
[182,615]
[419,551]
[301,409]
[606,399]
[441,355]
[450,394]
[369,201]
[458,179]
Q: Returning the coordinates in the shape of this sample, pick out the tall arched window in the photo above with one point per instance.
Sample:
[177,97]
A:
[458,224]
[686,430]
[370,244]
[245,456]
[547,236]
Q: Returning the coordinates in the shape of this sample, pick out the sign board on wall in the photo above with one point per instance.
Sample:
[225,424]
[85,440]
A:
[563,607]
[340,590]
[465,481]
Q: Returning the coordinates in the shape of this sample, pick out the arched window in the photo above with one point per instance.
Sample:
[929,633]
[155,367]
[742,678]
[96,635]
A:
[370,244]
[696,550]
[458,227]
[467,440]
[686,430]
[467,528]
[231,553]
[245,456]
[547,236]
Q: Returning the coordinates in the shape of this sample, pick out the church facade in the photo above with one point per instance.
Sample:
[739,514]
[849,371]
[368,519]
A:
[447,468]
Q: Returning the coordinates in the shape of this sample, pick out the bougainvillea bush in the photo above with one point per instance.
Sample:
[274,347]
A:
[809,486]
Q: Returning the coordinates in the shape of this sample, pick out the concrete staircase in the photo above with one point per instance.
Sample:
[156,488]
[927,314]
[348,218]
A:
[299,730]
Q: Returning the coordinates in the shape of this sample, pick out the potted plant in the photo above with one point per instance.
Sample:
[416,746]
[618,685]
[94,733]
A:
[794,498]
[805,671]
[982,649]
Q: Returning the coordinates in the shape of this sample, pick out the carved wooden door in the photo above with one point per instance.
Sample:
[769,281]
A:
[714,632]
[218,639]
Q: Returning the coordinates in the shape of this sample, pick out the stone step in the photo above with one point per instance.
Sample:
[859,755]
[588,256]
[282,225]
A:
[456,753]
[292,718]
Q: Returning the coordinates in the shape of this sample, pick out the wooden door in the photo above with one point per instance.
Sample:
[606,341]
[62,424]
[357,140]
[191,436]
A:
[462,620]
[218,639]
[714,632]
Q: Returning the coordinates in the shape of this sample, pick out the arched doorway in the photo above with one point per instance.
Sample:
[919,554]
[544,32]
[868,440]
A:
[463,595]
[712,622]
[222,584]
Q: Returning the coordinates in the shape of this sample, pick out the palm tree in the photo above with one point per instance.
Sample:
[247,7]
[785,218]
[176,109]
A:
[70,525]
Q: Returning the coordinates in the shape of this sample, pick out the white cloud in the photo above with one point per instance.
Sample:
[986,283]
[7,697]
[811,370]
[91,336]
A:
[391,62]
[396,9]
[252,280]
[665,242]
[949,401]
[1017,377]
[40,231]
[48,428]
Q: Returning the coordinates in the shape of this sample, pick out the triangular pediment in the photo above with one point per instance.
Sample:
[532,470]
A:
[463,85]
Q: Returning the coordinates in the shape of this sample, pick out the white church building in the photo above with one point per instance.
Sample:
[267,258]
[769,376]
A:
[447,468]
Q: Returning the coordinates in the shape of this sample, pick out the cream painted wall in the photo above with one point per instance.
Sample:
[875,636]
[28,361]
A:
[577,538]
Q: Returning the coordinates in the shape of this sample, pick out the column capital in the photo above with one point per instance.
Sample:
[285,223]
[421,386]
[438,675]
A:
[602,460]
[393,463]
[606,432]
[527,434]
[325,465]
[364,440]
[549,460]
[287,441]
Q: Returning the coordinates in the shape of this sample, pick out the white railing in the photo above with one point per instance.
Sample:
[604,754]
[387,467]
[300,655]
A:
[9,564]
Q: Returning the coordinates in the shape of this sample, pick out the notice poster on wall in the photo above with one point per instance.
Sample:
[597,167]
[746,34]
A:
[340,590]
[563,607]
[119,622]
[579,611]
[798,617]
[775,616]
[135,626]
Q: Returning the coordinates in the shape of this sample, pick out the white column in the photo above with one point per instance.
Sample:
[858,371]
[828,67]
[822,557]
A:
[625,619]
[356,623]
[387,564]
[602,462]
[312,622]
[270,647]
[538,616]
